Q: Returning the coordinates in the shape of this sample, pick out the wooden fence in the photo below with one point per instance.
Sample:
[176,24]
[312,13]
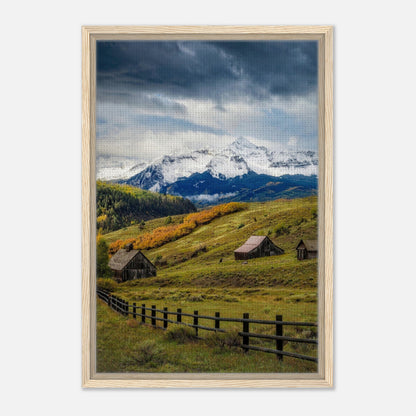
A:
[124,308]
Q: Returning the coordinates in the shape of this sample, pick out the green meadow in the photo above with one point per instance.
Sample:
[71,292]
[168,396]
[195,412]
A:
[198,273]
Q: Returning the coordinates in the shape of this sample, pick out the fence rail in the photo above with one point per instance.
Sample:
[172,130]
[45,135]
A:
[124,308]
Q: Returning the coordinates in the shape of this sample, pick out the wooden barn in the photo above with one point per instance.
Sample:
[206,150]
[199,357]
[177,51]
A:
[257,246]
[307,249]
[129,264]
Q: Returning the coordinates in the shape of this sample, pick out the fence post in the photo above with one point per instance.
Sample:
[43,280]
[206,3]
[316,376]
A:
[279,332]
[108,299]
[134,310]
[217,321]
[179,315]
[127,308]
[153,315]
[196,322]
[246,329]
[165,317]
[143,313]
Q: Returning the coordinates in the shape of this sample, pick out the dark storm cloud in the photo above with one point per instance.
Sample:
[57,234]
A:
[154,97]
[280,68]
[160,72]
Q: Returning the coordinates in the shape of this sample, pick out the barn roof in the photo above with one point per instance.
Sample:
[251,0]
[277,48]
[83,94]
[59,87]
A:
[253,242]
[311,245]
[121,259]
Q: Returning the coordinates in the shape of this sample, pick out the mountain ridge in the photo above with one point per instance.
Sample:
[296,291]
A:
[236,172]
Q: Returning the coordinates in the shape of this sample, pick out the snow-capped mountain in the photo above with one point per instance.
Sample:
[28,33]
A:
[240,171]
[114,168]
[235,160]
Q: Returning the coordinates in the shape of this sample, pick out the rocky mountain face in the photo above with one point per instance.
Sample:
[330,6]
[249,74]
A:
[231,173]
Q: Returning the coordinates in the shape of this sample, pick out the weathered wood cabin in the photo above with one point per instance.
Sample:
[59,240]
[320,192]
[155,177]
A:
[307,249]
[129,264]
[257,246]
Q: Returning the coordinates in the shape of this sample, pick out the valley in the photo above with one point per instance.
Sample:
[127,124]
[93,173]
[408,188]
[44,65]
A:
[198,272]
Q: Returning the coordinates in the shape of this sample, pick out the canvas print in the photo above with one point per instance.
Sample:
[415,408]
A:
[207,206]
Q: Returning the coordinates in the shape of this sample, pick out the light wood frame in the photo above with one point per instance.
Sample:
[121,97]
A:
[324,376]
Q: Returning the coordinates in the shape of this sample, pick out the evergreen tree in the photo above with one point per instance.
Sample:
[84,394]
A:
[102,259]
[119,205]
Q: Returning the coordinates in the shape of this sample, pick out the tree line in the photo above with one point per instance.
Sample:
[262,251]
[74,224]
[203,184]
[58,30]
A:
[119,206]
[165,234]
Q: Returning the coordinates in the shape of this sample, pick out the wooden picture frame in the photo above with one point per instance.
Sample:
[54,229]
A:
[324,376]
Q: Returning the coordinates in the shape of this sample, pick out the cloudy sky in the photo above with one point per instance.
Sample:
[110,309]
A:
[154,98]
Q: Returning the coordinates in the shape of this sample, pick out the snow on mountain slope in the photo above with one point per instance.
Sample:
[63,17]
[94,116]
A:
[113,168]
[234,160]
[237,159]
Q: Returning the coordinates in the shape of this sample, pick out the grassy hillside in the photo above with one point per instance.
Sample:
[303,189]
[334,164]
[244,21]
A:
[198,272]
[122,205]
[284,221]
[172,232]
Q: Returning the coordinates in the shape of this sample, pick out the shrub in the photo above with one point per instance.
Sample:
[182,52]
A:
[240,225]
[132,323]
[148,352]
[158,260]
[281,229]
[299,221]
[232,339]
[181,334]
[107,284]
[195,298]
[224,339]
[200,249]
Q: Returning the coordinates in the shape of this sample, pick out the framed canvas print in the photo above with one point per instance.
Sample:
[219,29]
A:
[207,206]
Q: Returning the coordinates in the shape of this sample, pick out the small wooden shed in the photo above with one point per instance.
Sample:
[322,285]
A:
[307,249]
[257,246]
[129,264]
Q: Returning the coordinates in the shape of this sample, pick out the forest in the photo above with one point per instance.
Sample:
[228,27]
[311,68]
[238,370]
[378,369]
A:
[120,206]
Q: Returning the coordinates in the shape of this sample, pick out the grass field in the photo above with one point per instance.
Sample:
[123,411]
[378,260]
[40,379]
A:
[123,345]
[198,272]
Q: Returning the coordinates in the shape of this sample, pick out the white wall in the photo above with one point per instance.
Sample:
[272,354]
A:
[40,91]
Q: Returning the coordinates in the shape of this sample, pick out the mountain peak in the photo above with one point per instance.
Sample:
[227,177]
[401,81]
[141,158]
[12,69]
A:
[234,160]
[242,142]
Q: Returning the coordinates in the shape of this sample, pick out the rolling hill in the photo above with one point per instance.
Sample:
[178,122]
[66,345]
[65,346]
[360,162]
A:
[250,187]
[197,272]
[122,205]
[205,256]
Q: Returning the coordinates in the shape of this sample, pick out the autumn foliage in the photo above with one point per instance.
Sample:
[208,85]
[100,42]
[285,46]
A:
[163,235]
[119,206]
